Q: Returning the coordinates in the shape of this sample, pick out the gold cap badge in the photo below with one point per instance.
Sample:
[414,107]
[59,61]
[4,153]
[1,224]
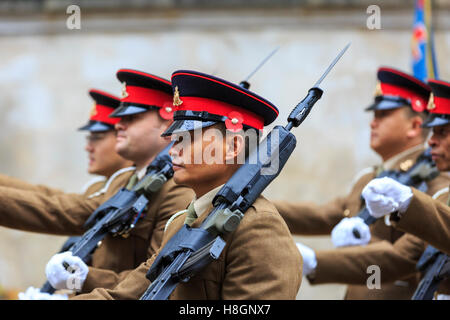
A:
[378,91]
[431,104]
[176,98]
[124,90]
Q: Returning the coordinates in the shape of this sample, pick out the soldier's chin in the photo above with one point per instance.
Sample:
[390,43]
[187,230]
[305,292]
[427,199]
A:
[374,144]
[180,177]
[122,150]
[442,164]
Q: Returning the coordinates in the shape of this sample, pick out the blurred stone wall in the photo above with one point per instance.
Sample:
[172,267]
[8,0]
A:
[46,71]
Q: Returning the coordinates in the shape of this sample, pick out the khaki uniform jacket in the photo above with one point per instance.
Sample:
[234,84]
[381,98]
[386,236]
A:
[65,214]
[319,216]
[428,219]
[260,261]
[395,261]
[93,186]
[11,182]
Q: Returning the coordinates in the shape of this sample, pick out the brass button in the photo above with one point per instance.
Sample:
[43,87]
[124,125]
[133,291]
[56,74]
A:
[346,212]
[405,165]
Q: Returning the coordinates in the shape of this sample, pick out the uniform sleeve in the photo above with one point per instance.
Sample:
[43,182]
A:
[62,214]
[428,219]
[172,199]
[262,261]
[349,265]
[108,279]
[307,218]
[131,287]
[6,181]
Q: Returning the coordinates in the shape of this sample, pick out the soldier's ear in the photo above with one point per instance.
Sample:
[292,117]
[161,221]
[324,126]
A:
[234,145]
[416,127]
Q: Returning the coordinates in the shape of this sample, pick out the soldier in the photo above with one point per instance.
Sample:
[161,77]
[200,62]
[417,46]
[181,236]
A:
[397,136]
[411,209]
[416,212]
[144,111]
[252,266]
[103,159]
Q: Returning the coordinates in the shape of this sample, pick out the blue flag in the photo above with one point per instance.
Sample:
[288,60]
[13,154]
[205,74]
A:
[423,56]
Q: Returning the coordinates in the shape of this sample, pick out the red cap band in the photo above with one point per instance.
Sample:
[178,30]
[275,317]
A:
[221,108]
[418,102]
[441,105]
[146,96]
[101,114]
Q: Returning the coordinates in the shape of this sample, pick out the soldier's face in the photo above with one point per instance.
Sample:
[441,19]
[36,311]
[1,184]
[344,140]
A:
[440,147]
[203,159]
[390,130]
[103,159]
[139,136]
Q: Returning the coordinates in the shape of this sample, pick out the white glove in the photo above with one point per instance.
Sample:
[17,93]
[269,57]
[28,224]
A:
[309,258]
[385,195]
[35,294]
[342,234]
[72,278]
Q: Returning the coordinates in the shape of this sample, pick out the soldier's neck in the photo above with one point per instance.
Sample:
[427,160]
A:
[140,165]
[204,187]
[388,155]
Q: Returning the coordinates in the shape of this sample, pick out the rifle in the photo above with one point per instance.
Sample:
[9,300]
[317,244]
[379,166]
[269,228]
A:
[435,265]
[191,249]
[120,213]
[423,170]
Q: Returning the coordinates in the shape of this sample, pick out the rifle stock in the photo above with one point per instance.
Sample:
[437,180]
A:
[435,266]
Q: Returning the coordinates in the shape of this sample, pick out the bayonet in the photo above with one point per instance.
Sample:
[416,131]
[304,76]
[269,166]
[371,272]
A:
[301,111]
[331,65]
[245,83]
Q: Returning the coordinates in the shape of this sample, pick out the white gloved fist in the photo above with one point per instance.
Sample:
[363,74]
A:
[71,278]
[385,195]
[309,258]
[35,294]
[343,233]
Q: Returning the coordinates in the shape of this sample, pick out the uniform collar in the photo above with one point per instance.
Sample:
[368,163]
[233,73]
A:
[141,173]
[392,163]
[202,203]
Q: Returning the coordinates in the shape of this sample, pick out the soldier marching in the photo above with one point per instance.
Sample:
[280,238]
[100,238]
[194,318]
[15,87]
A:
[144,217]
